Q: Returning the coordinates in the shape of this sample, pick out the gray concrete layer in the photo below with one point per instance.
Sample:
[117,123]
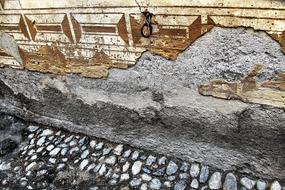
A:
[155,104]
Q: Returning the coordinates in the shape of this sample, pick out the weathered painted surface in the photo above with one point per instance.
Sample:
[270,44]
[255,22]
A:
[248,89]
[89,37]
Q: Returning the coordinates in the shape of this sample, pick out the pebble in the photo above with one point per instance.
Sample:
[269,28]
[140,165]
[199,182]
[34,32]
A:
[127,153]
[275,186]
[143,187]
[92,143]
[67,140]
[54,152]
[106,151]
[31,166]
[84,154]
[46,132]
[33,128]
[52,160]
[50,147]
[159,172]
[118,150]
[261,185]
[102,170]
[230,182]
[111,160]
[135,182]
[184,176]
[73,150]
[171,168]
[146,177]
[91,167]
[155,183]
[180,185]
[60,166]
[194,184]
[99,146]
[194,170]
[135,155]
[64,151]
[126,166]
[204,174]
[41,141]
[248,183]
[215,181]
[150,160]
[184,167]
[125,177]
[137,166]
[83,164]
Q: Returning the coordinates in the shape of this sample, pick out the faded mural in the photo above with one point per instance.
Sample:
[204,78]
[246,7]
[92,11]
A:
[90,37]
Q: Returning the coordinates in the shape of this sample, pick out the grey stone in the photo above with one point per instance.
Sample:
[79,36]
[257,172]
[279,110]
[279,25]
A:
[127,153]
[33,128]
[146,170]
[52,160]
[159,172]
[85,154]
[230,182]
[184,175]
[106,151]
[50,147]
[99,146]
[261,185]
[46,132]
[135,155]
[171,168]
[167,184]
[83,164]
[102,170]
[41,141]
[184,167]
[143,186]
[91,167]
[204,174]
[150,160]
[118,150]
[275,186]
[126,166]
[248,183]
[125,177]
[146,177]
[31,166]
[215,181]
[180,185]
[194,184]
[92,143]
[55,152]
[135,182]
[194,170]
[111,160]
[155,183]
[136,168]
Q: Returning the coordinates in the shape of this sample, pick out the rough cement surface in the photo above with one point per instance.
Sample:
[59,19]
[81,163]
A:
[155,104]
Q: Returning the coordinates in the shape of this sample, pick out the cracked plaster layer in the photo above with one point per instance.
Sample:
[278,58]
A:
[155,104]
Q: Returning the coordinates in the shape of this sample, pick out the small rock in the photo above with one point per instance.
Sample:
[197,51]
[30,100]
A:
[41,141]
[261,185]
[34,157]
[162,160]
[54,152]
[194,170]
[85,154]
[102,170]
[127,153]
[184,176]
[73,143]
[150,160]
[215,181]
[135,155]
[73,150]
[184,167]
[146,177]
[159,172]
[50,147]
[99,146]
[143,187]
[83,164]
[118,150]
[31,166]
[167,184]
[111,160]
[46,132]
[67,140]
[126,166]
[125,177]
[194,184]
[204,174]
[60,166]
[230,182]
[52,160]
[91,167]
[64,151]
[171,168]
[135,182]
[171,178]
[146,170]
[106,151]
[113,182]
[33,128]
[136,167]
[180,185]
[275,186]
[155,184]
[92,143]
[248,183]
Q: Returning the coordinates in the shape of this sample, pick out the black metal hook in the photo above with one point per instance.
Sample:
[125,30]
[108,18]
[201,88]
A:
[146,29]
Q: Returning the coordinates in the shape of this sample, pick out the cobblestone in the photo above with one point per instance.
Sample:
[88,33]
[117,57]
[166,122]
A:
[48,152]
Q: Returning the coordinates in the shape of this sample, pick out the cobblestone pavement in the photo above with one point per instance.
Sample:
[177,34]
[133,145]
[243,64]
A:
[54,159]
